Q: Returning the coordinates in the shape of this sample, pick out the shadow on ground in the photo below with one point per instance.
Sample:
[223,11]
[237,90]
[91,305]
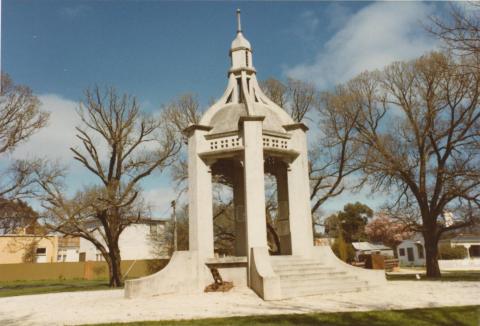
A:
[458,316]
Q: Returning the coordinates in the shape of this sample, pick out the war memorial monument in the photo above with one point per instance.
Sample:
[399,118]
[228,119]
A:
[242,137]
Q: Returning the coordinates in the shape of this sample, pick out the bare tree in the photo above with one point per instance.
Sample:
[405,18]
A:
[183,111]
[416,137]
[297,97]
[303,98]
[272,214]
[20,118]
[276,91]
[180,113]
[334,158]
[120,147]
[223,217]
[461,32]
[331,157]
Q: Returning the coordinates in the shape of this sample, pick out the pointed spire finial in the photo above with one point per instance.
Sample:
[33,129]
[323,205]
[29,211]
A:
[239,24]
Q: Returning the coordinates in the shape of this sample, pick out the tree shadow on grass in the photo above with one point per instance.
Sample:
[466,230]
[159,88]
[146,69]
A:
[440,317]
[461,316]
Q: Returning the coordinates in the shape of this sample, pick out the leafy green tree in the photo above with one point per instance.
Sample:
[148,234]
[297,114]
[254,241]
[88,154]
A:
[349,223]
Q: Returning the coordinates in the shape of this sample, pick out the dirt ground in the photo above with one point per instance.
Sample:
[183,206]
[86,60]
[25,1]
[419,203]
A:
[110,306]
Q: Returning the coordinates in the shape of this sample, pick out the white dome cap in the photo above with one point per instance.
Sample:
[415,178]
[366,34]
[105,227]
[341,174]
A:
[243,96]
[240,42]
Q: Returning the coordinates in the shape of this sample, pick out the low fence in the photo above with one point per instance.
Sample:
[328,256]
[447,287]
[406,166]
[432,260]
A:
[358,264]
[377,262]
[88,270]
[391,264]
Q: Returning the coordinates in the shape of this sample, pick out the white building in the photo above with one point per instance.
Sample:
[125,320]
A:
[470,242]
[135,243]
[412,251]
[68,249]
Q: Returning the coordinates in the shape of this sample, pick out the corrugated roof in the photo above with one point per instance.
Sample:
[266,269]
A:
[364,246]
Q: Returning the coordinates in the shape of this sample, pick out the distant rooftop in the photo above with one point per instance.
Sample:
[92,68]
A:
[466,238]
[365,246]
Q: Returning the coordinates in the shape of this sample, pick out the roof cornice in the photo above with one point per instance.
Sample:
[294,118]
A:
[295,126]
[250,118]
[190,129]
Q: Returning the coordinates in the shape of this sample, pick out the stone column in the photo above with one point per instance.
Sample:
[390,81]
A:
[239,203]
[283,211]
[299,194]
[256,222]
[200,207]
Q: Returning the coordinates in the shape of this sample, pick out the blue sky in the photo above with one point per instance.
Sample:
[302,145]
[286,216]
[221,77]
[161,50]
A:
[154,50]
[158,50]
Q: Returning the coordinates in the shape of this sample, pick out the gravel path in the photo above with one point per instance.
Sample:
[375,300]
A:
[110,306]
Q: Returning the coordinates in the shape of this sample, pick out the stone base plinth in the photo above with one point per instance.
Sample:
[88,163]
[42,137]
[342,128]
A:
[271,277]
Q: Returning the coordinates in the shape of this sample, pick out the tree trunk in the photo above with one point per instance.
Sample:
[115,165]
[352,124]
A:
[114,269]
[431,256]
[276,239]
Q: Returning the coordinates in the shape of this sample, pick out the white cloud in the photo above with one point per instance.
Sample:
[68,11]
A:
[58,136]
[372,38]
[55,140]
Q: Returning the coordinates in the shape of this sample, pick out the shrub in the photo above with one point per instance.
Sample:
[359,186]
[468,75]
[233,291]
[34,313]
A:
[343,250]
[446,252]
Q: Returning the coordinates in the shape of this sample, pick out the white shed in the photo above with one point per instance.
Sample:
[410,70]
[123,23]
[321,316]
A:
[412,251]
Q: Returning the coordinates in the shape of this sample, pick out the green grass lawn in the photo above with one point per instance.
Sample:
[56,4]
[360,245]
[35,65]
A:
[446,276]
[8,289]
[448,316]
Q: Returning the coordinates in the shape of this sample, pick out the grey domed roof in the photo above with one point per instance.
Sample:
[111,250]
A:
[226,118]
[243,96]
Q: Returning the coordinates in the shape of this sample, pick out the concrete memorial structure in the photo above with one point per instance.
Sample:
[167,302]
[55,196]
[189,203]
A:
[242,137]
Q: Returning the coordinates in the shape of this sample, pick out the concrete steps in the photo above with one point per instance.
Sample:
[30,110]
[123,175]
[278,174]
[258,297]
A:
[308,275]
[309,278]
[316,288]
[304,277]
[303,268]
